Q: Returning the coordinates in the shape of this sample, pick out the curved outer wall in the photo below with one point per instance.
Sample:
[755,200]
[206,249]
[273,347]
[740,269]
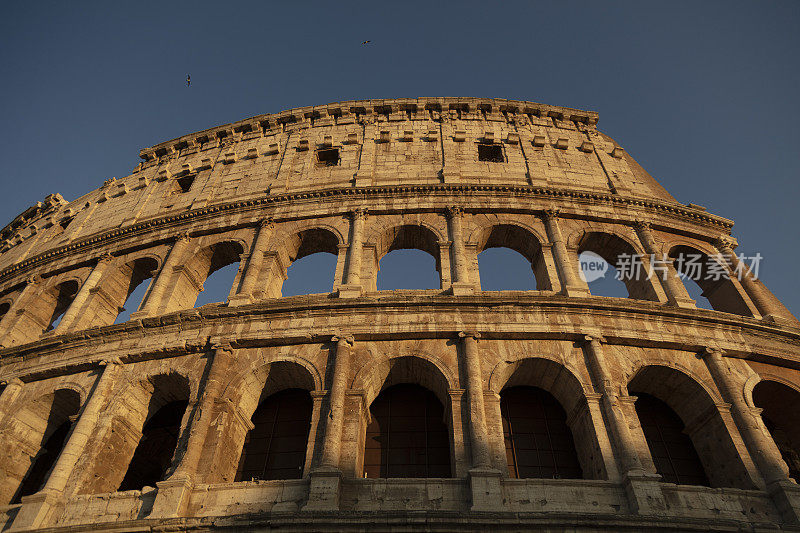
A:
[407,174]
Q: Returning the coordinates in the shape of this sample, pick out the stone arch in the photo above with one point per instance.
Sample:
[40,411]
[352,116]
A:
[406,236]
[569,391]
[114,290]
[32,439]
[119,457]
[693,263]
[772,398]
[300,243]
[518,237]
[242,397]
[699,410]
[41,312]
[421,369]
[188,278]
[612,246]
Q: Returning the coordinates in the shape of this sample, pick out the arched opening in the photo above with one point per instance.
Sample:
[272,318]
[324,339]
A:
[276,446]
[407,436]
[4,308]
[408,259]
[511,258]
[63,296]
[124,291]
[410,431]
[38,436]
[538,441]
[534,429]
[194,285]
[781,417]
[312,254]
[672,450]
[710,284]
[152,455]
[276,398]
[700,421]
[609,262]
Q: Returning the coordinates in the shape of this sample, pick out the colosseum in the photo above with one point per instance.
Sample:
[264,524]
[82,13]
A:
[440,409]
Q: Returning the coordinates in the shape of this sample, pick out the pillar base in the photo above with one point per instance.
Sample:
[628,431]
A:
[644,493]
[786,496]
[487,489]
[240,299]
[172,497]
[350,291]
[462,289]
[362,180]
[138,315]
[575,291]
[683,303]
[35,510]
[780,320]
[324,490]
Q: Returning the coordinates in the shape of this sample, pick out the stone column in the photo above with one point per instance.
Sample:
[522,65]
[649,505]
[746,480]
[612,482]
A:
[461,285]
[18,307]
[12,389]
[36,507]
[665,271]
[325,486]
[765,454]
[352,287]
[767,304]
[174,493]
[75,308]
[567,269]
[485,481]
[643,489]
[162,282]
[264,233]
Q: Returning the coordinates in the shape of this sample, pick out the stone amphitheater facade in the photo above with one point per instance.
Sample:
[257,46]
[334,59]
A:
[82,396]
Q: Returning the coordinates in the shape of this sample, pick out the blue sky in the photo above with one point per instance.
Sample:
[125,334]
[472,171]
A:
[702,94]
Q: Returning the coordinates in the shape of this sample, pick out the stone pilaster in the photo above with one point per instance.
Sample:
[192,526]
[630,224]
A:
[11,391]
[36,508]
[80,300]
[567,268]
[352,287]
[643,489]
[255,263]
[174,493]
[767,304]
[461,284]
[325,486]
[484,480]
[664,271]
[155,300]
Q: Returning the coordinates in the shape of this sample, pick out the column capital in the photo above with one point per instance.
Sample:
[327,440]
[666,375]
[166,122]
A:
[13,382]
[589,337]
[341,337]
[182,236]
[267,222]
[642,225]
[222,347]
[110,361]
[105,258]
[711,351]
[473,334]
[551,212]
[360,213]
[33,280]
[454,211]
[725,243]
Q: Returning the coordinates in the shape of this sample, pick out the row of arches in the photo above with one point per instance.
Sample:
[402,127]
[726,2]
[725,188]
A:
[217,269]
[539,422]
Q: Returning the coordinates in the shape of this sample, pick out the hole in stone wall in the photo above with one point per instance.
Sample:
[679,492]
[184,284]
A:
[133,302]
[217,286]
[783,424]
[493,153]
[407,269]
[505,269]
[66,222]
[328,157]
[153,454]
[184,184]
[276,446]
[4,308]
[601,276]
[311,274]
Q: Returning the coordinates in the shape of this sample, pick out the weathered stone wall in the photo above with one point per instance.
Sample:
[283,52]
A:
[257,193]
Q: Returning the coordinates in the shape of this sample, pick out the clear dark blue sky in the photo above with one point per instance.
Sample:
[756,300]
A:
[703,94]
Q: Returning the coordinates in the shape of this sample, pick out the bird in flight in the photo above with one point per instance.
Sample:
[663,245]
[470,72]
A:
[366,42]
[188,80]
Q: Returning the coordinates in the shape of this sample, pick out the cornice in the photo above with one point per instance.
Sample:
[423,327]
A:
[676,210]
